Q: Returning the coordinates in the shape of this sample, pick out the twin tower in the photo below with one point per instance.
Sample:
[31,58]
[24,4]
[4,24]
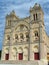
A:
[25,39]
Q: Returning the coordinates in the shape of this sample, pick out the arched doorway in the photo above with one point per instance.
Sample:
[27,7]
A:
[6,54]
[36,53]
[20,53]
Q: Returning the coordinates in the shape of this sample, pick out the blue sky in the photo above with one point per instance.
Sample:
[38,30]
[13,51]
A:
[21,8]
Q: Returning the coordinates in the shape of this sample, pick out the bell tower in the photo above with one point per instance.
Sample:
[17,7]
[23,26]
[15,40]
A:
[36,33]
[36,13]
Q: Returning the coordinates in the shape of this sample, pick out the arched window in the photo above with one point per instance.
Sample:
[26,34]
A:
[8,37]
[27,36]
[9,22]
[16,36]
[36,33]
[21,36]
[36,16]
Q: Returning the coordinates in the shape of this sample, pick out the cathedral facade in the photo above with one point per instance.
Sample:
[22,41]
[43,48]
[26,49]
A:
[25,39]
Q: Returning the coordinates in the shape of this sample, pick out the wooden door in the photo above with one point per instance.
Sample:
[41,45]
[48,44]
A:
[36,56]
[20,56]
[6,56]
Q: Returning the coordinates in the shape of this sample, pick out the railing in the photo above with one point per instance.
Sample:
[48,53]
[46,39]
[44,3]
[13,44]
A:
[16,43]
[22,42]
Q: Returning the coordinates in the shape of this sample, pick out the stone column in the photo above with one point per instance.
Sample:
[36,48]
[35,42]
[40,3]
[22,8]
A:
[3,55]
[42,47]
[10,45]
[43,52]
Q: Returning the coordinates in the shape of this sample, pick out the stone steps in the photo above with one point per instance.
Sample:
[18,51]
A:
[23,62]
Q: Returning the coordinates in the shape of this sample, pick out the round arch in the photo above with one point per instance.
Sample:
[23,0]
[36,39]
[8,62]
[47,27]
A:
[36,48]
[21,23]
[20,50]
[25,50]
[6,50]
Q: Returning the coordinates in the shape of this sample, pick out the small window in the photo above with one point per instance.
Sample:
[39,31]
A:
[36,33]
[16,36]
[8,37]
[34,16]
[21,36]
[27,35]
[9,22]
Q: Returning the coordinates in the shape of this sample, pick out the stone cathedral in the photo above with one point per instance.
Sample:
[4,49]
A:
[25,38]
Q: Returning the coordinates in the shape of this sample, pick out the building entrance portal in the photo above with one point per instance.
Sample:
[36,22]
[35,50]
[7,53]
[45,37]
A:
[6,56]
[20,56]
[36,56]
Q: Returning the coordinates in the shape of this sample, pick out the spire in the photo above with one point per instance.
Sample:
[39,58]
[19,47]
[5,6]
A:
[36,7]
[12,13]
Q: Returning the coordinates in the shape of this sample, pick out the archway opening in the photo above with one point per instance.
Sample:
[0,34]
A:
[20,54]
[7,54]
